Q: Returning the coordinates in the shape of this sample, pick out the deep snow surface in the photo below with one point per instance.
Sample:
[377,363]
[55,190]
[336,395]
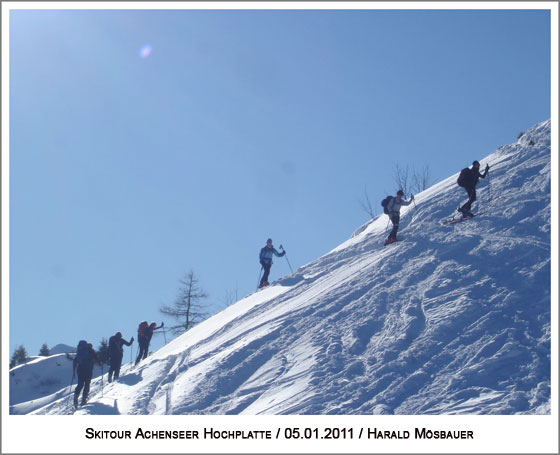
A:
[41,381]
[450,320]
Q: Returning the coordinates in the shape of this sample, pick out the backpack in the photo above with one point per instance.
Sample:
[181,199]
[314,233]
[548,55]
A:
[463,176]
[113,346]
[82,353]
[142,329]
[384,204]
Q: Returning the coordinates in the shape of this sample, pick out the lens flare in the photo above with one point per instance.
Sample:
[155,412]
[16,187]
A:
[145,51]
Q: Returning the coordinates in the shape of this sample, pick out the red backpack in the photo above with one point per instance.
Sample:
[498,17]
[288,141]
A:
[142,330]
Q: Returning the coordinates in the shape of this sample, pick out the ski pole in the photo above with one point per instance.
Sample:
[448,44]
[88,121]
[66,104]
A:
[414,201]
[489,188]
[164,337]
[487,174]
[101,380]
[286,256]
[259,280]
[290,265]
[70,392]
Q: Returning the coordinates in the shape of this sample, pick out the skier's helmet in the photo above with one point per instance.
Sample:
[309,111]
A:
[476,163]
[400,193]
[268,240]
[118,335]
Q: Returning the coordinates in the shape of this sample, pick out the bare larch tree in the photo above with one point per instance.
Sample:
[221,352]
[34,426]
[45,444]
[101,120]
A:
[187,309]
[421,179]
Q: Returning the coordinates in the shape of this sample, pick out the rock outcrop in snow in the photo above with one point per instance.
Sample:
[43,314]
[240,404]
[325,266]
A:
[450,320]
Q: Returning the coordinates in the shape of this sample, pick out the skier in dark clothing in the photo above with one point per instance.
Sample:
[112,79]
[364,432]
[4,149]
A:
[394,212]
[145,334]
[265,258]
[83,364]
[468,179]
[116,354]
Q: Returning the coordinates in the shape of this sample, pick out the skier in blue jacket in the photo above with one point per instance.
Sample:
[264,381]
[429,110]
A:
[265,258]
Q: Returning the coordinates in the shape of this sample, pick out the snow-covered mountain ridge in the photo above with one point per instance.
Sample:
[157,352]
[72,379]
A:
[450,320]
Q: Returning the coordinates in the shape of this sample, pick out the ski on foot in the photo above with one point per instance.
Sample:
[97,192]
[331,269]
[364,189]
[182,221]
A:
[465,217]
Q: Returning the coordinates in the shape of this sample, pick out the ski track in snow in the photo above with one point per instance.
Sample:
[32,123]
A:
[451,319]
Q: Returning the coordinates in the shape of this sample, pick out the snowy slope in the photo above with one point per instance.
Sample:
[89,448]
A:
[452,319]
[41,381]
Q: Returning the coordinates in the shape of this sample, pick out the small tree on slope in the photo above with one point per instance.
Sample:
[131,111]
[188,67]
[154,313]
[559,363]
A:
[45,351]
[103,350]
[19,356]
[187,309]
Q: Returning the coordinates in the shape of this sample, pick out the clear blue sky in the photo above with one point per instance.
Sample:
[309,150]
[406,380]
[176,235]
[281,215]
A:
[128,170]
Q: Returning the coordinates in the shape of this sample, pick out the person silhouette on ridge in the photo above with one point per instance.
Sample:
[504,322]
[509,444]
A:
[116,343]
[83,365]
[145,333]
[394,212]
[468,179]
[265,258]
